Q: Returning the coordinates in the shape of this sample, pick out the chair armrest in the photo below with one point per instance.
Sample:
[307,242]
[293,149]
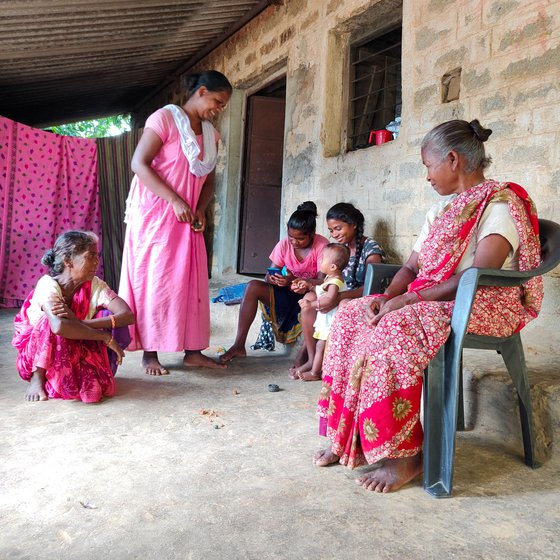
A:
[495,277]
[377,275]
[471,279]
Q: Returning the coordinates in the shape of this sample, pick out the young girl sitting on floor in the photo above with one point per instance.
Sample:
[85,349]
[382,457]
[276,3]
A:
[334,260]
[300,254]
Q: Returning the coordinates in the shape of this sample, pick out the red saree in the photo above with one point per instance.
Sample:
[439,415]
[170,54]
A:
[75,369]
[372,375]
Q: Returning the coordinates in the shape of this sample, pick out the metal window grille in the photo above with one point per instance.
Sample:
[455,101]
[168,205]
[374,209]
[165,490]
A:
[375,92]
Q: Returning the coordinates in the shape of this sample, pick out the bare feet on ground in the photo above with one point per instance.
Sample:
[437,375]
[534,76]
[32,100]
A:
[198,359]
[233,352]
[151,364]
[299,362]
[296,370]
[308,375]
[115,347]
[36,390]
[325,457]
[392,475]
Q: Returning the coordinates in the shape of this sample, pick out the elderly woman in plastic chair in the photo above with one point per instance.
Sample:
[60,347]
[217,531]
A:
[72,328]
[380,345]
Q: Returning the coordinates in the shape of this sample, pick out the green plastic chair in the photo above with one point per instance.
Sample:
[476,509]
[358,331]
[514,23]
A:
[443,395]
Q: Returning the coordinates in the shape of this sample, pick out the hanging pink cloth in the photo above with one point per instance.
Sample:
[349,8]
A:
[48,185]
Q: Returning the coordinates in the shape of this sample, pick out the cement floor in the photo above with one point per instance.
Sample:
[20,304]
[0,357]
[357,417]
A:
[210,465]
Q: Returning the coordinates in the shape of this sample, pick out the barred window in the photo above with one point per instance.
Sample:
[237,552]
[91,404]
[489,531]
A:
[375,92]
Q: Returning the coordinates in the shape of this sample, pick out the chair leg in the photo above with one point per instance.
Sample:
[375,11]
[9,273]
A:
[461,408]
[440,421]
[514,359]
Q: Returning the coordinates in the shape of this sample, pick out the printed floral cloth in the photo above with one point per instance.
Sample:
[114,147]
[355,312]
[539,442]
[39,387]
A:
[48,185]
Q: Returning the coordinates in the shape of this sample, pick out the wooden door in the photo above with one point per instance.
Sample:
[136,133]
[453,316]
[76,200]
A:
[262,182]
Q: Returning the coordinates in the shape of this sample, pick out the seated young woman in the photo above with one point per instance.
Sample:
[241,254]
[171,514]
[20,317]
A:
[71,325]
[346,226]
[300,254]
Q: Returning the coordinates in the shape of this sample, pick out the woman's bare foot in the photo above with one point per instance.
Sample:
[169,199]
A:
[295,371]
[325,457]
[36,390]
[300,360]
[308,375]
[195,358]
[115,347]
[392,475]
[233,352]
[151,365]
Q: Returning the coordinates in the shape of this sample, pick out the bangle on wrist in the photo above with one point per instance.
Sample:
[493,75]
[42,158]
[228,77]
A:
[417,292]
[110,341]
[113,321]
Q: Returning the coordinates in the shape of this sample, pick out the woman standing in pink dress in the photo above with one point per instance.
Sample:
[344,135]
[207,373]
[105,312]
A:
[164,274]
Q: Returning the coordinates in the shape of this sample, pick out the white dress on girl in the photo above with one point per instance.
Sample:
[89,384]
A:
[323,321]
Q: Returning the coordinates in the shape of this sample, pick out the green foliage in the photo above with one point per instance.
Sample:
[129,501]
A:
[96,128]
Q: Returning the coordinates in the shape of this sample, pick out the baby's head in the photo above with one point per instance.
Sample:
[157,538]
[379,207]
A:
[334,258]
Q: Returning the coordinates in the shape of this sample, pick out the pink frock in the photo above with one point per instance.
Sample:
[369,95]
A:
[164,275]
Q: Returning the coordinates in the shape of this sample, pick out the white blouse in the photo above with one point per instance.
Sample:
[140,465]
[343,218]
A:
[495,219]
[101,296]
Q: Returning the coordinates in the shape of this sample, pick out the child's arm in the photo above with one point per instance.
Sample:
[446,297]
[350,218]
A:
[330,299]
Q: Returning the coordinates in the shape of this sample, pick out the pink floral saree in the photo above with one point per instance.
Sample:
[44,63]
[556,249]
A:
[372,375]
[75,369]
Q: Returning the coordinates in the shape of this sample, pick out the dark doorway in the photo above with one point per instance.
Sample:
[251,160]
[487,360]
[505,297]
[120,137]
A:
[262,177]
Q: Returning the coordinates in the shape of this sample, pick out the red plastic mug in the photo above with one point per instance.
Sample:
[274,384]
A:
[382,136]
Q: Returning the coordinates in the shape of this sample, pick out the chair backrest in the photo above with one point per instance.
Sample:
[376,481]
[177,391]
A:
[549,233]
[378,277]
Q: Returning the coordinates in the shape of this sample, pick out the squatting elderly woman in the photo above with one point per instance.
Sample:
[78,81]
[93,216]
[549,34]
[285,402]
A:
[380,345]
[68,328]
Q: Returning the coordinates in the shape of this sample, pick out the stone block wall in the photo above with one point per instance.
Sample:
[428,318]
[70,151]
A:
[509,55]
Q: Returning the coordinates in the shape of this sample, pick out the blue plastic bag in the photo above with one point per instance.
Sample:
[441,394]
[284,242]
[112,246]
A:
[231,295]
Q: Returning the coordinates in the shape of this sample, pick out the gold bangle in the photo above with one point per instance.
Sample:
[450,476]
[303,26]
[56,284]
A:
[113,321]
[110,341]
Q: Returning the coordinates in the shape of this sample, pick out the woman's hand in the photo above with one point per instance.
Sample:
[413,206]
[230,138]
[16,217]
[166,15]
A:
[272,278]
[199,224]
[182,210]
[279,280]
[372,310]
[386,306]
[301,286]
[60,309]
[282,281]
